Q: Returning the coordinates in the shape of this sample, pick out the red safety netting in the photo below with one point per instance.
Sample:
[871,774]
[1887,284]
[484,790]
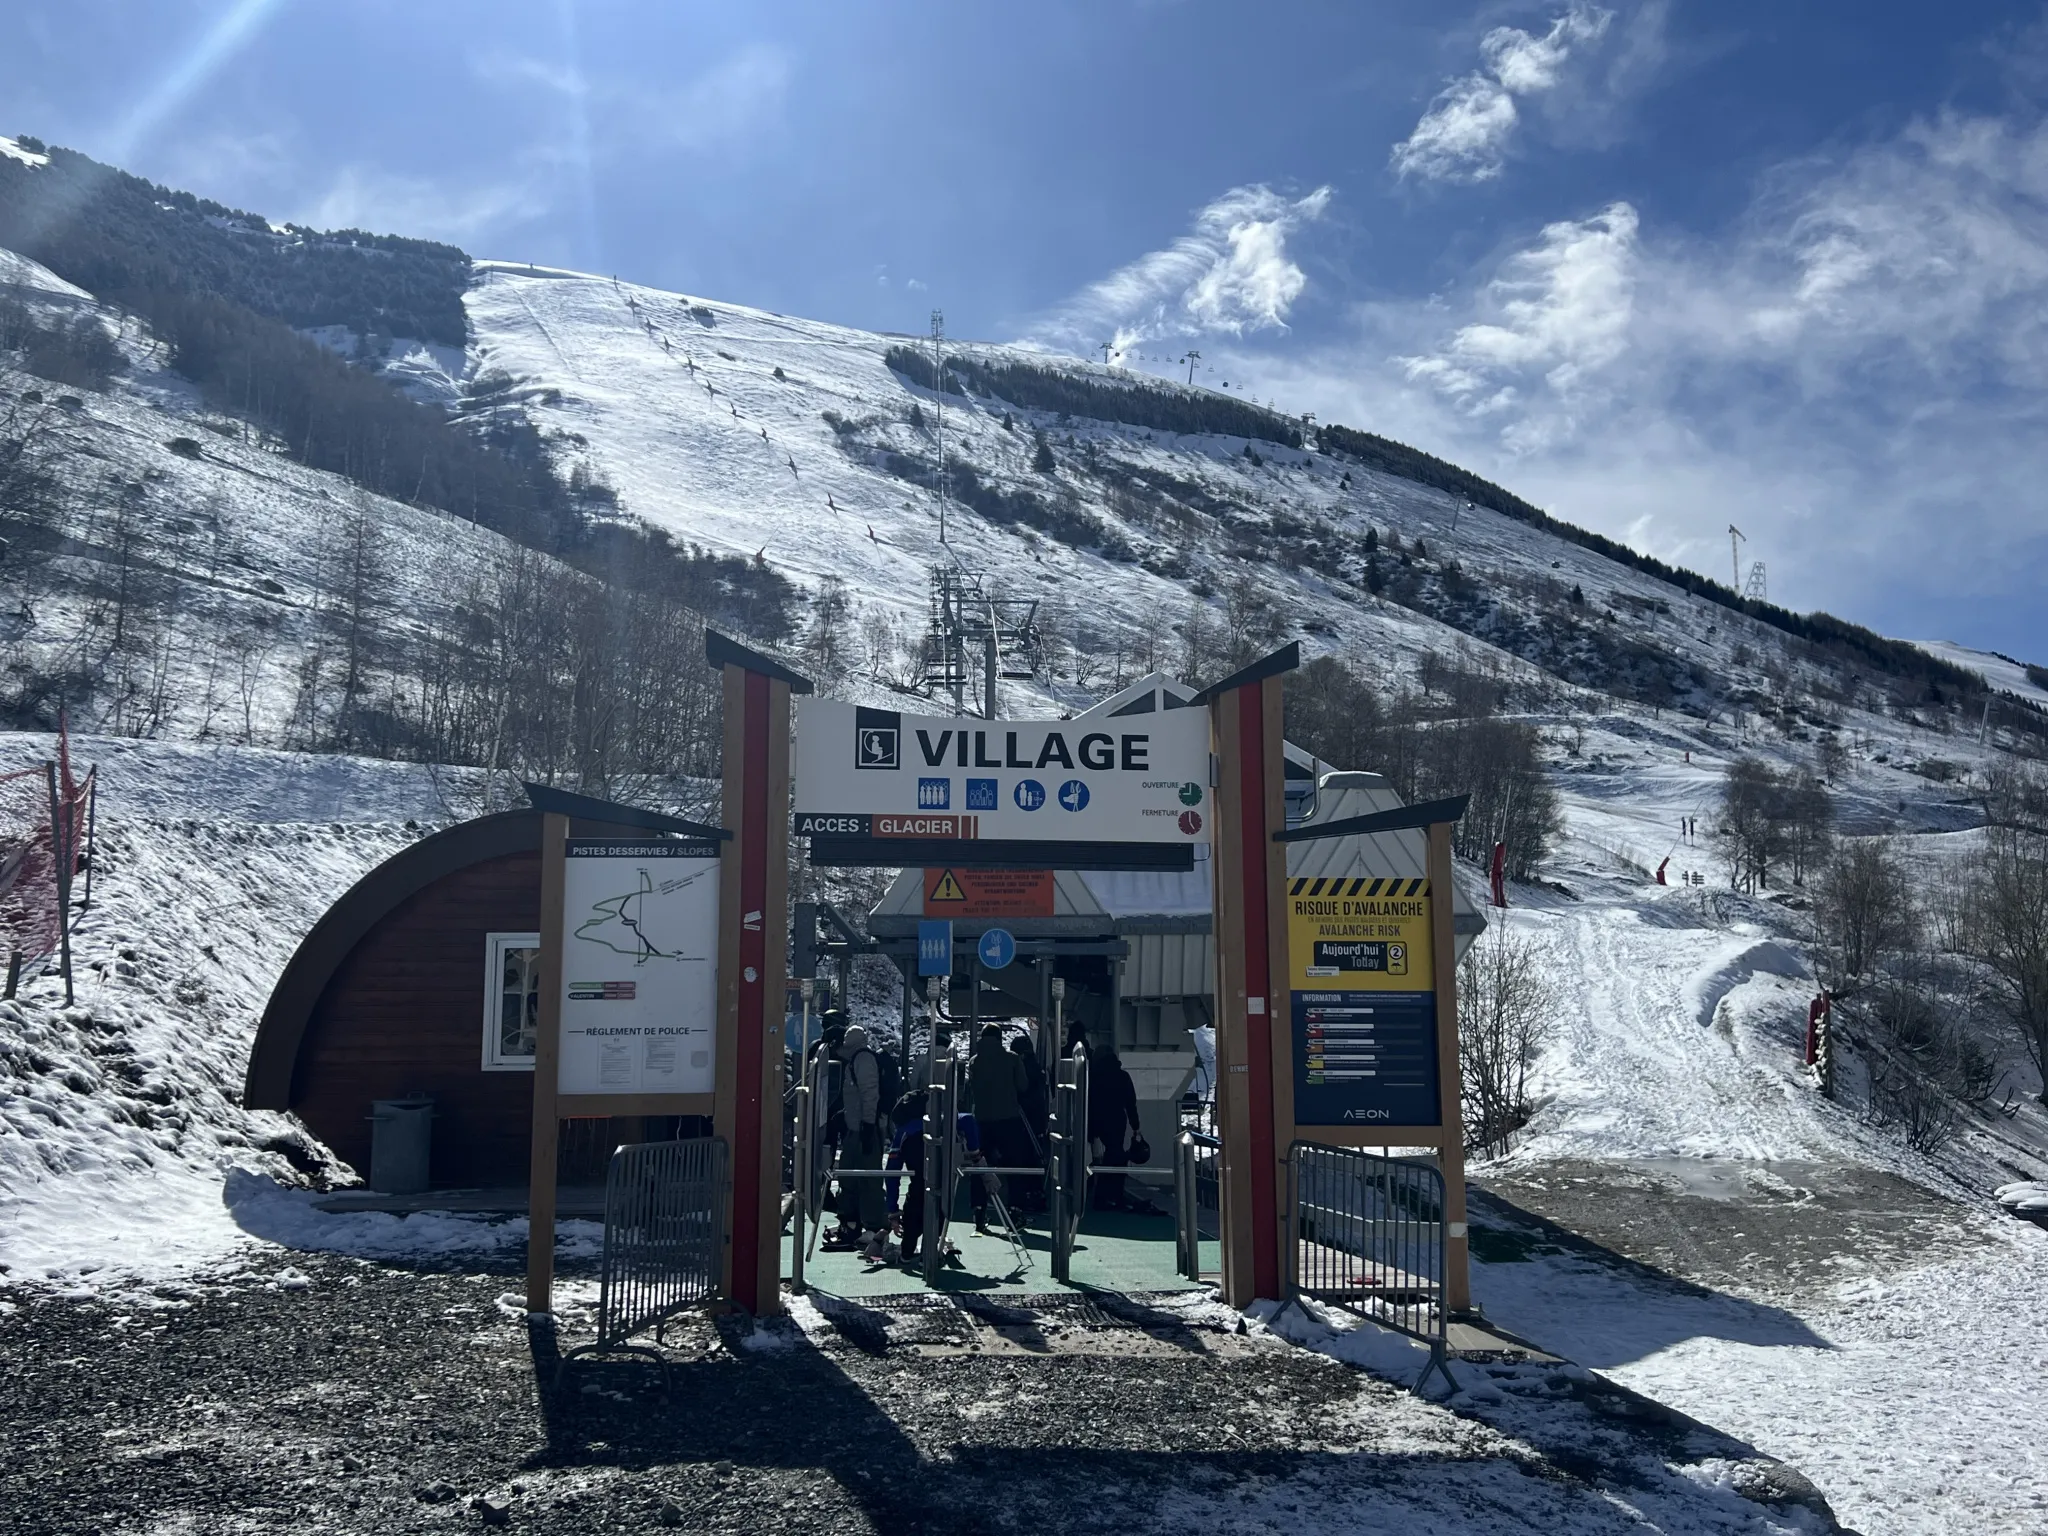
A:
[31,908]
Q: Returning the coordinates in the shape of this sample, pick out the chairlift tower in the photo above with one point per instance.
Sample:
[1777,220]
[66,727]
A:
[1753,589]
[939,390]
[968,626]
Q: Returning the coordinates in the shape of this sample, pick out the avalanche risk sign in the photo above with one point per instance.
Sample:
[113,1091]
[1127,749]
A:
[880,773]
[1363,995]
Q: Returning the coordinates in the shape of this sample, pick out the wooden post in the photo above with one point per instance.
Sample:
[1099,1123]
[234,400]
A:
[1252,1050]
[62,855]
[547,1056]
[753,963]
[1451,1150]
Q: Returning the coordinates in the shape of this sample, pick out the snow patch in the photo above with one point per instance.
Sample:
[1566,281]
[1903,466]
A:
[12,149]
[289,1218]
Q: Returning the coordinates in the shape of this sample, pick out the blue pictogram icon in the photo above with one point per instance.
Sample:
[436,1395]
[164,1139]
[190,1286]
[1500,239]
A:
[1030,794]
[996,949]
[1073,795]
[981,794]
[934,947]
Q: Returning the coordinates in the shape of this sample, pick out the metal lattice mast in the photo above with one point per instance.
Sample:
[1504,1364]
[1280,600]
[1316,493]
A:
[939,389]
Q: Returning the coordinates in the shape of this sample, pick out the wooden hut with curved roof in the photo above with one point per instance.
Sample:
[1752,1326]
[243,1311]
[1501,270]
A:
[423,980]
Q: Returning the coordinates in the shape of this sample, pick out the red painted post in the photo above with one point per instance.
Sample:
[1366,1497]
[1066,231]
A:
[1256,837]
[747,1107]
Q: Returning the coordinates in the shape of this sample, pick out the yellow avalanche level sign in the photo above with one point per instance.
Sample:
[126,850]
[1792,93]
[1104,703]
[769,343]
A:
[1358,935]
[1362,999]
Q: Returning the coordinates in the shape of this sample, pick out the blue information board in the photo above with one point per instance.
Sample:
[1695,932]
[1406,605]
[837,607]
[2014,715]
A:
[935,947]
[1365,1058]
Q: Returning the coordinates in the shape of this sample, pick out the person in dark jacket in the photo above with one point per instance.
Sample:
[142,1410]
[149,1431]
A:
[1036,1102]
[906,1152]
[860,1142]
[995,1087]
[1112,1122]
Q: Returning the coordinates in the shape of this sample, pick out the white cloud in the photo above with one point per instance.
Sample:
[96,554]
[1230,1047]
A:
[1555,315]
[1464,135]
[729,103]
[1230,274]
[1856,373]
[363,197]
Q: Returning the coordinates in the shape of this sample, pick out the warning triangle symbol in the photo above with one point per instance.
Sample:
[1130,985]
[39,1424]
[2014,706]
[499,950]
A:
[948,889]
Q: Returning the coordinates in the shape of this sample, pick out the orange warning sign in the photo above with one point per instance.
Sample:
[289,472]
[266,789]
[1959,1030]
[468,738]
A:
[988,893]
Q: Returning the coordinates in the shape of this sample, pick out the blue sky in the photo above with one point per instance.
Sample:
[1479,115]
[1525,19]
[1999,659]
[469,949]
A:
[1658,266]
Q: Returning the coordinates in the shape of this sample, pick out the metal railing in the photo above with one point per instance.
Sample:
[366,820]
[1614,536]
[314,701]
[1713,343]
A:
[664,1239]
[1366,1233]
[1197,1200]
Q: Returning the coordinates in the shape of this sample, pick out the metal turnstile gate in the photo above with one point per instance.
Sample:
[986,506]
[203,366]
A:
[1197,1200]
[1068,1134]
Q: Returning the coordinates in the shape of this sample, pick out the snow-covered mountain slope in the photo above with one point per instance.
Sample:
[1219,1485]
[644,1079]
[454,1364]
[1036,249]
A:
[712,421]
[2001,672]
[212,542]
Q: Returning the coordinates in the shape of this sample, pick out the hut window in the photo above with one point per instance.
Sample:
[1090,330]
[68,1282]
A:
[511,1000]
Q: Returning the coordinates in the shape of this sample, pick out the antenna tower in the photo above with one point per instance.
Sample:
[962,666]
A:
[939,389]
[968,625]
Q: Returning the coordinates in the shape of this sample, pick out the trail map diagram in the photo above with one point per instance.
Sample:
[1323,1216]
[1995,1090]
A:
[644,925]
[640,974]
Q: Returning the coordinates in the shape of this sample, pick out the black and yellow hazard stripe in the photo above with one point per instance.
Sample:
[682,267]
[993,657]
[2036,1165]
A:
[1336,885]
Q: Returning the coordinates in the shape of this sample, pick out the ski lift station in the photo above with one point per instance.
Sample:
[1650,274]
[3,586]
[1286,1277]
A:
[1156,1002]
[1160,886]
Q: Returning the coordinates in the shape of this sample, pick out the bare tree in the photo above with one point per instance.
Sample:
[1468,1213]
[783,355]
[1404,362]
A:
[2011,920]
[356,572]
[1863,911]
[1769,819]
[1504,1014]
[826,643]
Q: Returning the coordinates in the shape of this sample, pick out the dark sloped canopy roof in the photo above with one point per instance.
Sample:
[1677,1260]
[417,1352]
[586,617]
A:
[367,902]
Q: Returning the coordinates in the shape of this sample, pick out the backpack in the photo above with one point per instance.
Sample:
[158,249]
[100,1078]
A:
[889,1078]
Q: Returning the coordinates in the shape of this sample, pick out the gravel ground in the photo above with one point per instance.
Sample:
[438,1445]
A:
[338,1395]
[1771,1231]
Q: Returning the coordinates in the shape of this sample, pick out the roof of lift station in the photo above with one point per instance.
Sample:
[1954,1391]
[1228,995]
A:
[1095,902]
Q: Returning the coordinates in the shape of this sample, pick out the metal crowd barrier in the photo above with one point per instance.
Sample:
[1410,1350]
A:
[664,1240]
[1366,1233]
[1197,1200]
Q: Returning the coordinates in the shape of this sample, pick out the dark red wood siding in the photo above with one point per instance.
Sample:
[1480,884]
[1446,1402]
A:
[403,1015]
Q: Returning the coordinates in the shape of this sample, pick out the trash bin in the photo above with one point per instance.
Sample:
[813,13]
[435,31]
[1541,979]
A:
[401,1136]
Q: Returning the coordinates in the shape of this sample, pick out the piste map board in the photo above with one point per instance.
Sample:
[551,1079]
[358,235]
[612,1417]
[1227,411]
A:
[640,957]
[878,773]
[1363,999]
